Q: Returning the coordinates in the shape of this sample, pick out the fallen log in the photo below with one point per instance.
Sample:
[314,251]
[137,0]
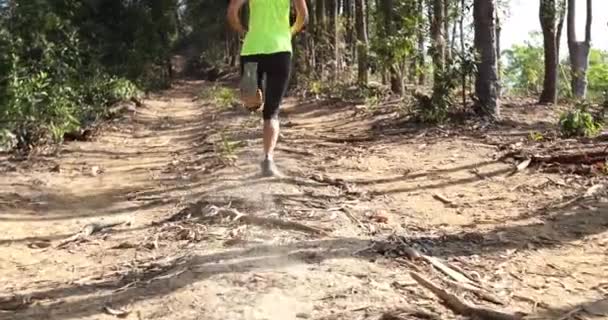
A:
[581,157]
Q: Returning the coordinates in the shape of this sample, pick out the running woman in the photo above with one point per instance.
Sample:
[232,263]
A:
[267,52]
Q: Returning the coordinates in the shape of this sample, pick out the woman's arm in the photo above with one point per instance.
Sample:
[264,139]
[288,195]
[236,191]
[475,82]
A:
[233,15]
[302,16]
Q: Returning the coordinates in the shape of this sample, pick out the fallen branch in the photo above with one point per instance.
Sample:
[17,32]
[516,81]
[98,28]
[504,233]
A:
[88,230]
[571,313]
[403,314]
[336,182]
[235,215]
[588,157]
[444,200]
[463,308]
[447,270]
[477,291]
[352,217]
[15,302]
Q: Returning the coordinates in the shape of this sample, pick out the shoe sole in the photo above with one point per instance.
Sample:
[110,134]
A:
[249,81]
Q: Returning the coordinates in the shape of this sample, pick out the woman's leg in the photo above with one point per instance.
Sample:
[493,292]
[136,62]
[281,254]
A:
[277,68]
[251,82]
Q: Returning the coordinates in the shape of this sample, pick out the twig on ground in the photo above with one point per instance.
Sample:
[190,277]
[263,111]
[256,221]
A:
[461,307]
[403,314]
[235,215]
[447,270]
[444,200]
[477,291]
[88,230]
[352,217]
[571,313]
[534,302]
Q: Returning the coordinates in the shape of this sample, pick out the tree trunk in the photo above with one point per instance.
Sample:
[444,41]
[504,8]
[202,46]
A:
[452,46]
[437,36]
[548,20]
[387,6]
[446,28]
[498,53]
[362,42]
[579,50]
[321,40]
[486,81]
[421,59]
[463,51]
[333,30]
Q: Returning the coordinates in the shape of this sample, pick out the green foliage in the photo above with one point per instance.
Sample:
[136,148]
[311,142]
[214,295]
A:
[536,136]
[391,50]
[580,122]
[525,71]
[62,63]
[226,149]
[436,108]
[597,75]
[222,97]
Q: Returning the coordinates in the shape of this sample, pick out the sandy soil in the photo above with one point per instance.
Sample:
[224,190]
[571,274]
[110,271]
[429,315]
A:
[174,171]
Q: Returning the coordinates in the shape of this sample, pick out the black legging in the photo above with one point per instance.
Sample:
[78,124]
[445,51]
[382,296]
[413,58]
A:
[277,68]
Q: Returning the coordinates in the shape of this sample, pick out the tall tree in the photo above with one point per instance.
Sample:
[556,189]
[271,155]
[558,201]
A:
[579,50]
[551,16]
[320,35]
[463,50]
[387,8]
[333,30]
[420,34]
[362,41]
[438,38]
[486,81]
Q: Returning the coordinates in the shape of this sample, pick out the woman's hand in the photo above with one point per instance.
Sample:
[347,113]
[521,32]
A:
[233,16]
[301,17]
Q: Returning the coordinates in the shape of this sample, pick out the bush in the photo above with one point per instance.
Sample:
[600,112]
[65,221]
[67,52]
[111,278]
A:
[50,81]
[580,122]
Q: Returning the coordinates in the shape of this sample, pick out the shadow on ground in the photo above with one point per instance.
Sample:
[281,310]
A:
[149,279]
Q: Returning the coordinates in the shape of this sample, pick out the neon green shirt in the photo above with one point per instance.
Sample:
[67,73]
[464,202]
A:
[269,29]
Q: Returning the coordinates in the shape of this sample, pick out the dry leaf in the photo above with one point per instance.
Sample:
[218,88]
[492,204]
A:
[524,164]
[40,244]
[120,313]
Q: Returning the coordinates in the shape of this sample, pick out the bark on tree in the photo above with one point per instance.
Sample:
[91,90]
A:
[362,42]
[498,50]
[333,30]
[486,81]
[350,36]
[463,51]
[446,28]
[551,21]
[438,36]
[387,7]
[321,40]
[421,52]
[579,50]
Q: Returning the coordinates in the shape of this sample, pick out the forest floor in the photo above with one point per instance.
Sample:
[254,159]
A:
[202,236]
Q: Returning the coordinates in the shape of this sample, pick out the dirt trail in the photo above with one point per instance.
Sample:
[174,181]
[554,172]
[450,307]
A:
[439,193]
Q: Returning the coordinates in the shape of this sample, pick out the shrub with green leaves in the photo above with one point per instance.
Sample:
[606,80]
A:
[580,122]
[51,81]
